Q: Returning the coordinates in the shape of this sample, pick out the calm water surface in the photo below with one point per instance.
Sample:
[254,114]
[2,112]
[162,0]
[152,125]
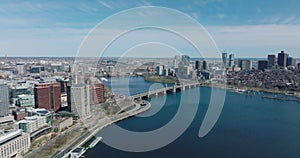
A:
[249,126]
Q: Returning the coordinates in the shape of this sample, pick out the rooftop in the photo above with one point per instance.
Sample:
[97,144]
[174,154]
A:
[7,136]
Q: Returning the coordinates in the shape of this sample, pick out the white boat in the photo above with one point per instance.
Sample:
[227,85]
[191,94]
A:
[95,142]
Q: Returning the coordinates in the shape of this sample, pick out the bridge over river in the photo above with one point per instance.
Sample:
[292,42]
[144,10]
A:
[166,90]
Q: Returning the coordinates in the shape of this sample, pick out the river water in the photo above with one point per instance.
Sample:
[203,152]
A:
[249,126]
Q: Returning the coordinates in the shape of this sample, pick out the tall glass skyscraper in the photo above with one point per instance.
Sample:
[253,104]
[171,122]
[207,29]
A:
[231,60]
[224,59]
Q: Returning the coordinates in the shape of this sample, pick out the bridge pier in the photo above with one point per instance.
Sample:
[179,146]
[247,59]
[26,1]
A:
[174,89]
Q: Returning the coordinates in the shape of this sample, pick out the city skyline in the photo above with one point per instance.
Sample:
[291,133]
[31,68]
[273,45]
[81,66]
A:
[259,29]
[149,78]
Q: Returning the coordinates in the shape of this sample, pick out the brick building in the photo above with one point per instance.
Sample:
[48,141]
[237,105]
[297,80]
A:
[97,93]
[48,96]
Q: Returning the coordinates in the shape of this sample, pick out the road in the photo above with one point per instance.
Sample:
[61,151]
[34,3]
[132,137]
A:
[101,123]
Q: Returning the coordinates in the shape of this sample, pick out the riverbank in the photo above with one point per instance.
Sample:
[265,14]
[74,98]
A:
[160,79]
[243,119]
[253,89]
[104,122]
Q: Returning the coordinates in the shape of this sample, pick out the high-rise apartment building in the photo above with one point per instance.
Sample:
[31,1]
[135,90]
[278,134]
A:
[271,60]
[291,61]
[224,59]
[4,100]
[231,60]
[159,70]
[245,64]
[282,59]
[185,61]
[176,61]
[197,64]
[204,65]
[80,100]
[97,95]
[20,68]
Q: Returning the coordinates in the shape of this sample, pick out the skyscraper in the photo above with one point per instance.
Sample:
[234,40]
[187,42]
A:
[80,100]
[245,64]
[48,96]
[224,59]
[185,60]
[282,59]
[20,68]
[205,65]
[271,60]
[159,70]
[263,64]
[231,60]
[4,100]
[198,65]
[176,61]
[291,61]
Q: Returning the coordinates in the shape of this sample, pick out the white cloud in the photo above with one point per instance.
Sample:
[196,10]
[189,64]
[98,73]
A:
[144,3]
[277,19]
[289,20]
[105,4]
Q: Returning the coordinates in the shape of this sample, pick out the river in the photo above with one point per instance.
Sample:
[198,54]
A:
[249,126]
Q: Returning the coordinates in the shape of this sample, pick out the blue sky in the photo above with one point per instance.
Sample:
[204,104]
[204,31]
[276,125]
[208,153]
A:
[56,28]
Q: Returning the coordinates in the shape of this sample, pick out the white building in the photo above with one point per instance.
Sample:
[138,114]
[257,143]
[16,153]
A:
[32,124]
[176,61]
[63,123]
[6,119]
[166,71]
[21,68]
[231,60]
[159,70]
[80,100]
[14,143]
